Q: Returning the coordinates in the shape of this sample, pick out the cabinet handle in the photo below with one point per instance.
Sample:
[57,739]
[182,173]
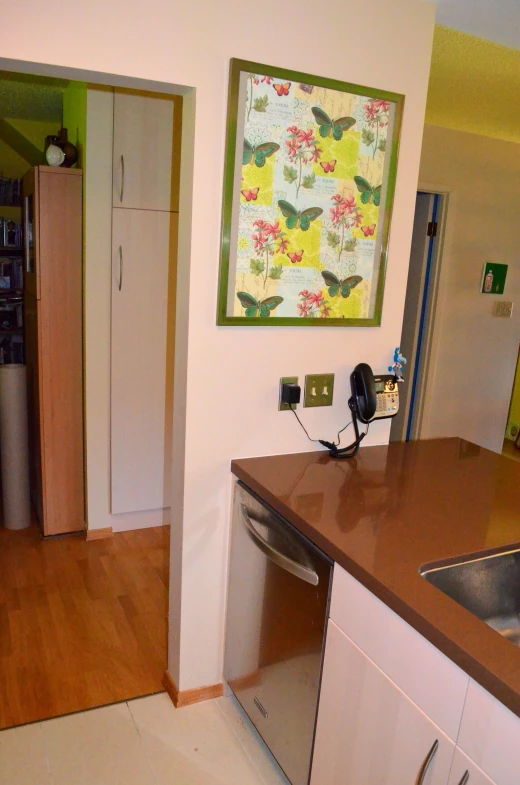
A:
[120,284]
[122,193]
[426,763]
[465,778]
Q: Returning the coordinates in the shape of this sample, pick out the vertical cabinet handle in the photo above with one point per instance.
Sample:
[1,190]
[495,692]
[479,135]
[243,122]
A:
[120,284]
[426,763]
[465,778]
[122,192]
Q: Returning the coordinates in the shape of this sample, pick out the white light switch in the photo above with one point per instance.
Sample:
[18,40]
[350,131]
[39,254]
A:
[502,308]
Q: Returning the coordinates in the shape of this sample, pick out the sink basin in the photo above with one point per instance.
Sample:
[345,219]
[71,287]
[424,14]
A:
[488,586]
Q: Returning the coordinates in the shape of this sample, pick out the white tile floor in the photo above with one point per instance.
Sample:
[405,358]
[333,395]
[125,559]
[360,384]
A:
[142,742]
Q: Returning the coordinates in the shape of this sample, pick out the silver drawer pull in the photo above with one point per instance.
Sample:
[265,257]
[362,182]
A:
[122,192]
[120,284]
[289,565]
[426,763]
[465,778]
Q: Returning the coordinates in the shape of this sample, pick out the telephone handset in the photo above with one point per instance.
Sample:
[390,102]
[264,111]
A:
[374,397]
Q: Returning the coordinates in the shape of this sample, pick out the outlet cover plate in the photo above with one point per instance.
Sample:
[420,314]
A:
[286,407]
[319,389]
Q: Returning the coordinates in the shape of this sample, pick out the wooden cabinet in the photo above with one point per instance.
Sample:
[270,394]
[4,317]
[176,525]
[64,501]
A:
[54,345]
[141,359]
[368,731]
[465,772]
[143,144]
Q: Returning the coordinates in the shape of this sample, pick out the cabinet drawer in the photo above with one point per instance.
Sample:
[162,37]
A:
[427,676]
[368,731]
[490,736]
[465,772]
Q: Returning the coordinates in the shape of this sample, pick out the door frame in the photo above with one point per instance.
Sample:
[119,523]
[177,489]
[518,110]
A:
[428,367]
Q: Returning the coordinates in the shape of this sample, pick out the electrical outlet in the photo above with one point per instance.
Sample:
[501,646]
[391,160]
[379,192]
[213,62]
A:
[319,389]
[285,407]
[503,308]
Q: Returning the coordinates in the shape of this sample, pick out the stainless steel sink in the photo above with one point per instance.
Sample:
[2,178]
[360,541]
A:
[488,586]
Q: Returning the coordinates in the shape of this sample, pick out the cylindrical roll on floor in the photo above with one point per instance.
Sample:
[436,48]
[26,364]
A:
[14,452]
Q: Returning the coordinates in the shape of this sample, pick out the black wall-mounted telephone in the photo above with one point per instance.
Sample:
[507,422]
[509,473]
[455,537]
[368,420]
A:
[374,397]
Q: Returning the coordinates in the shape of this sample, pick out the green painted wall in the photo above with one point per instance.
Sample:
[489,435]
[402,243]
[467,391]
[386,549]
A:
[75,117]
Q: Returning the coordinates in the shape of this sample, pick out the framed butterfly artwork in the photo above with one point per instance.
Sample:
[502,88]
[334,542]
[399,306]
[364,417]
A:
[309,184]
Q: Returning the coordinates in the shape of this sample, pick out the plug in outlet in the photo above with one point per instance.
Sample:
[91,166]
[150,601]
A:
[319,389]
[286,407]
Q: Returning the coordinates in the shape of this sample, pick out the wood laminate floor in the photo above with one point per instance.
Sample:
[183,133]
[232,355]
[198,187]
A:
[82,624]
[510,451]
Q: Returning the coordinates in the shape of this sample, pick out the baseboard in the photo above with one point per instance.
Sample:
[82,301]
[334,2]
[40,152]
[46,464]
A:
[99,534]
[187,697]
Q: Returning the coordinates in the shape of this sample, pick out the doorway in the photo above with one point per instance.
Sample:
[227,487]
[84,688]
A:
[97,611]
[419,313]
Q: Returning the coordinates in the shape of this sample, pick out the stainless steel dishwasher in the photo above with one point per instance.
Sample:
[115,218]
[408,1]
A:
[278,603]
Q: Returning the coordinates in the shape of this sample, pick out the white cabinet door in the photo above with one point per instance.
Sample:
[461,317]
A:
[143,140]
[368,731]
[490,736]
[141,360]
[465,772]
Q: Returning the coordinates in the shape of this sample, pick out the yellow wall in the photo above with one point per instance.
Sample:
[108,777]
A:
[13,165]
[514,411]
[473,84]
[75,117]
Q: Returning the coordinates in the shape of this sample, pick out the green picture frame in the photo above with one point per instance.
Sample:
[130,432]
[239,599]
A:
[309,182]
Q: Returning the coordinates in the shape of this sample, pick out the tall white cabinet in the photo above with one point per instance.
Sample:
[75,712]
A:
[144,241]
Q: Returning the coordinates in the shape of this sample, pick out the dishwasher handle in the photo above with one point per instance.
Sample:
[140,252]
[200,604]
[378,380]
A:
[294,567]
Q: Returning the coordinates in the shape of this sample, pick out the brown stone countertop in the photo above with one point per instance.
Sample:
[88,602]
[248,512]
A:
[395,508]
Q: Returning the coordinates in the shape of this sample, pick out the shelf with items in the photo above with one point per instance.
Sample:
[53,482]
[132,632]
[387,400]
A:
[10,192]
[12,338]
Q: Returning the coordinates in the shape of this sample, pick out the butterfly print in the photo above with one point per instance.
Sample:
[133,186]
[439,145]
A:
[282,89]
[368,231]
[252,194]
[328,166]
[295,257]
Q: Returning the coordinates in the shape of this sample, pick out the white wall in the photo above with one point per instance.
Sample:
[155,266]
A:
[229,376]
[97,294]
[475,353]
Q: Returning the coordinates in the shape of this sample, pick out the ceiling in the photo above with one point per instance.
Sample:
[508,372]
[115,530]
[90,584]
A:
[494,20]
[29,97]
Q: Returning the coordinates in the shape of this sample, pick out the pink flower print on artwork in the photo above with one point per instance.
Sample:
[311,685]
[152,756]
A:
[306,137]
[315,154]
[316,299]
[267,79]
[303,308]
[383,106]
[292,147]
[259,224]
[272,230]
[259,241]
[293,129]
[283,242]
[370,112]
[305,294]
[324,311]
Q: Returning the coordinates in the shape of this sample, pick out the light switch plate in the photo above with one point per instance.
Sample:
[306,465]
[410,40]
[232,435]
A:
[503,308]
[319,389]
[285,407]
